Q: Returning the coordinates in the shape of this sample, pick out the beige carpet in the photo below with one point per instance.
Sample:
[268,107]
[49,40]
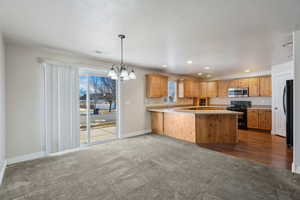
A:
[147,167]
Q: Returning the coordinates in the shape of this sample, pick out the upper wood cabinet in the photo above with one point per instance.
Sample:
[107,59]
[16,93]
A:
[212,89]
[253,87]
[243,83]
[188,88]
[156,86]
[208,89]
[233,83]
[203,89]
[223,86]
[265,86]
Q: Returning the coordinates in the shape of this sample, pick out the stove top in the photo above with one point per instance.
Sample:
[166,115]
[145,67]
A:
[239,105]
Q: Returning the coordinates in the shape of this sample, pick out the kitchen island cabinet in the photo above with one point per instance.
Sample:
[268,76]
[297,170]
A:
[197,124]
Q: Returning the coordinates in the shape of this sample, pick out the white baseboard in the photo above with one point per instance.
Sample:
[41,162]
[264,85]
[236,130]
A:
[26,157]
[68,151]
[273,132]
[37,155]
[295,169]
[137,133]
[2,170]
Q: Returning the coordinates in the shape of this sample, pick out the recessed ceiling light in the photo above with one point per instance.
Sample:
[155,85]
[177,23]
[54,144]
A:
[207,68]
[164,65]
[247,70]
[208,75]
[189,62]
[200,73]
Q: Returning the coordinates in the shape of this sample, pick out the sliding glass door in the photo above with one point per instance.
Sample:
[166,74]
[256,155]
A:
[98,108]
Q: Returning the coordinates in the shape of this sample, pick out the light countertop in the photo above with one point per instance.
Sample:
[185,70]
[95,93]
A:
[197,112]
[260,108]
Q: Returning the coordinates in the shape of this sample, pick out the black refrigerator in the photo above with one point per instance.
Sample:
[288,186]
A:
[288,111]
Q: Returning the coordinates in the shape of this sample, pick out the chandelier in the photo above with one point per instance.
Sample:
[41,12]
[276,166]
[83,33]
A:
[121,72]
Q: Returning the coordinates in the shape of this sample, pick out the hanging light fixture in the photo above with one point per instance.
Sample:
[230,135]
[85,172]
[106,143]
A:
[121,72]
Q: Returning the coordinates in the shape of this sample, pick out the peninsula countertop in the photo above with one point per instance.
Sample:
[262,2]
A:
[198,110]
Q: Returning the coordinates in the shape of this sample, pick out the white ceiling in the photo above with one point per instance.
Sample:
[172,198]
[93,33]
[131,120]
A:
[228,35]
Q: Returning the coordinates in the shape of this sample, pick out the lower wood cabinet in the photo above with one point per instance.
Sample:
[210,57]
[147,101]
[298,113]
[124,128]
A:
[259,119]
[252,119]
[157,122]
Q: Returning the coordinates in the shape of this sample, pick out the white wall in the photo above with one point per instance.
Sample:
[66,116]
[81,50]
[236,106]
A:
[2,103]
[296,163]
[23,98]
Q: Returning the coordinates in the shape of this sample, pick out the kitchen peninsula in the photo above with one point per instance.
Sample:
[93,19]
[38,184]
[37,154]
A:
[196,124]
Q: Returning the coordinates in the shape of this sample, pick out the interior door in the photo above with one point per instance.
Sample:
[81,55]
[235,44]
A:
[278,116]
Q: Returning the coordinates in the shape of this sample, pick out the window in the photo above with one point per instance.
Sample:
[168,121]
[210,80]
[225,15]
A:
[172,91]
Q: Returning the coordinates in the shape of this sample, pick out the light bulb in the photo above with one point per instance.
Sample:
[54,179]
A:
[124,72]
[112,72]
[132,75]
[115,77]
[126,78]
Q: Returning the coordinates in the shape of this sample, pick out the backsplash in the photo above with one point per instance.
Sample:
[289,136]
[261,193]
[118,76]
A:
[254,100]
[153,101]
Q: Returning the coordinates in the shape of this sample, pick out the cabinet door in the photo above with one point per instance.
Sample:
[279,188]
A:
[252,119]
[265,119]
[203,89]
[212,89]
[233,83]
[153,84]
[188,88]
[164,86]
[253,87]
[265,86]
[223,88]
[268,119]
[157,122]
[196,89]
[261,119]
[243,83]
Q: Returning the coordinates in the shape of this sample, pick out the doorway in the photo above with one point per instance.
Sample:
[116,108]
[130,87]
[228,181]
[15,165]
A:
[98,108]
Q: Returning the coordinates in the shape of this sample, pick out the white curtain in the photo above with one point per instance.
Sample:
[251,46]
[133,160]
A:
[61,107]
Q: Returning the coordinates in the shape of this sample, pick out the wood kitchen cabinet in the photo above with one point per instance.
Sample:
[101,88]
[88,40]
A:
[157,86]
[223,86]
[253,87]
[212,89]
[188,88]
[157,122]
[252,119]
[265,119]
[203,89]
[259,119]
[208,89]
[265,86]
[233,83]
[243,83]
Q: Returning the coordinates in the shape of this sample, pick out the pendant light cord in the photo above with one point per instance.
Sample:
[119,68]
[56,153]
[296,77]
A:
[121,51]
